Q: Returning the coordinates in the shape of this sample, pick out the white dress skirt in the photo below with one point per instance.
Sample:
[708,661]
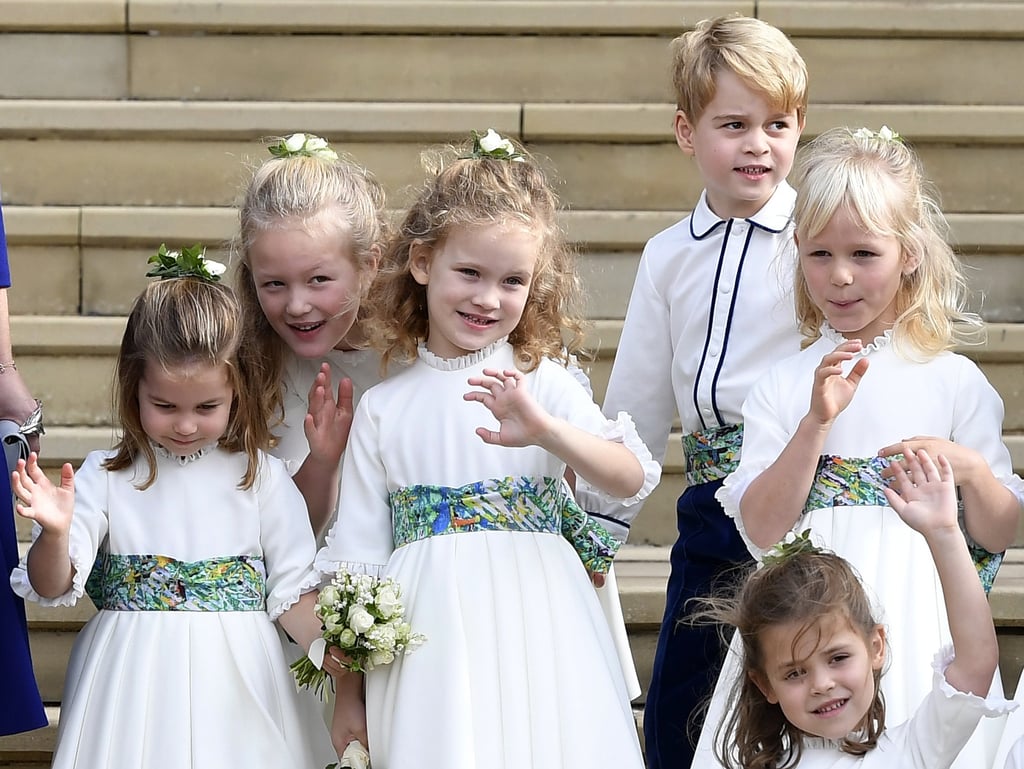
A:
[519,669]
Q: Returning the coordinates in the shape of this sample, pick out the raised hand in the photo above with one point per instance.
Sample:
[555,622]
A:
[966,462]
[832,390]
[923,494]
[39,500]
[328,420]
[522,421]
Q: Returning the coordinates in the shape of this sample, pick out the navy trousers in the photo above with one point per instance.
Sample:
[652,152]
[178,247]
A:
[709,554]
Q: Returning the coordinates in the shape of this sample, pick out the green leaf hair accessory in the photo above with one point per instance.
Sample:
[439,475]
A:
[303,145]
[187,263]
[791,545]
[494,146]
[884,133]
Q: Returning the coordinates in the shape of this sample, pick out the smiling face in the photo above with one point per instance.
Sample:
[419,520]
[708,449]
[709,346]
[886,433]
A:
[742,145]
[478,281]
[853,276]
[822,677]
[186,409]
[308,286]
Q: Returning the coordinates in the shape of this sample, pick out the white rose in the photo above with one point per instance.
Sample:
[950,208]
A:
[295,142]
[314,143]
[355,757]
[359,619]
[382,637]
[492,140]
[886,133]
[326,152]
[329,596]
[387,602]
[381,657]
[346,639]
[332,622]
[863,133]
[213,267]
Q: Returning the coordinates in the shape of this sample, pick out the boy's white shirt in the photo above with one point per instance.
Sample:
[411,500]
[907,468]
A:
[711,310]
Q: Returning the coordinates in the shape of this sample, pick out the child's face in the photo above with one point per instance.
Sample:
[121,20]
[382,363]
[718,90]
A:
[186,409]
[308,286]
[743,146]
[825,683]
[853,276]
[478,281]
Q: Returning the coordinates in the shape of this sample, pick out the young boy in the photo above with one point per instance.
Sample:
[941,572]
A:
[711,309]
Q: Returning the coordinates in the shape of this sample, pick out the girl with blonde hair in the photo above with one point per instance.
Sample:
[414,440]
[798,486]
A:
[453,485]
[880,298]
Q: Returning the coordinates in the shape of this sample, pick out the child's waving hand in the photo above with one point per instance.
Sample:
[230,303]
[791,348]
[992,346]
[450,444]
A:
[924,495]
[832,391]
[504,393]
[39,500]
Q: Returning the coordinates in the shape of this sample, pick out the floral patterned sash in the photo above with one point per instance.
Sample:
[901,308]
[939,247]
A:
[712,454]
[159,583]
[502,504]
[850,481]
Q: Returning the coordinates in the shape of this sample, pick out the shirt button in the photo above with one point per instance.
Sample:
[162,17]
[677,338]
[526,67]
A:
[725,288]
[713,352]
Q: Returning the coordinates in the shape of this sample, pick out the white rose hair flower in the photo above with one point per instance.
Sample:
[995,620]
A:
[302,145]
[493,146]
[187,263]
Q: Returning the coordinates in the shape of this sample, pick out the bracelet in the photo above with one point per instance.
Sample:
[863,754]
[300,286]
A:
[5,366]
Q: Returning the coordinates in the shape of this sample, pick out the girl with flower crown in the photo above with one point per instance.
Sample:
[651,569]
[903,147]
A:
[879,297]
[452,484]
[813,650]
[201,543]
[311,228]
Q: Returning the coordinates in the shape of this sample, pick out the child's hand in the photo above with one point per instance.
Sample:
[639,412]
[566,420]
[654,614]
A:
[523,421]
[832,391]
[963,460]
[39,500]
[924,495]
[328,421]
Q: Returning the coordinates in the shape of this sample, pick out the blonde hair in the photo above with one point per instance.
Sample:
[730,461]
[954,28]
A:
[881,182]
[756,52]
[809,588]
[479,192]
[305,192]
[183,322]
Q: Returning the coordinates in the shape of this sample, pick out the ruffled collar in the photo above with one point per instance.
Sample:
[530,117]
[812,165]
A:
[461,362]
[160,451]
[878,343]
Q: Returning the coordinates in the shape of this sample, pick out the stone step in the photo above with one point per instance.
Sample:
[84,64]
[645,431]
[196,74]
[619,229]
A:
[88,259]
[143,154]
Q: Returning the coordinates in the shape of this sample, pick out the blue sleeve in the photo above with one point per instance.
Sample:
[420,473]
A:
[5,269]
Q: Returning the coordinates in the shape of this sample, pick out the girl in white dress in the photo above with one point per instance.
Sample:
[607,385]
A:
[453,484]
[813,651]
[203,543]
[311,228]
[879,297]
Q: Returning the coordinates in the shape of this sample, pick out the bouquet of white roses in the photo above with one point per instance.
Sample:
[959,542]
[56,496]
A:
[363,616]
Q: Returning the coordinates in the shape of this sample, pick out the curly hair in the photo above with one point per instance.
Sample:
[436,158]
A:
[469,192]
[810,588]
[881,182]
[307,193]
[756,52]
[183,322]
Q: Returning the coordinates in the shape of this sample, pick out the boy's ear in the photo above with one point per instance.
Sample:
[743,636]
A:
[761,683]
[419,262]
[684,132]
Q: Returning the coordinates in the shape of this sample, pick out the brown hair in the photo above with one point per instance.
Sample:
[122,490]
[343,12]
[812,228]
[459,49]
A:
[304,192]
[180,322]
[756,52]
[479,192]
[807,588]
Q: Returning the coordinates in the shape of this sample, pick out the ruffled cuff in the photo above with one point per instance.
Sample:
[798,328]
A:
[990,706]
[622,430]
[1016,485]
[82,567]
[278,605]
[593,543]
[327,567]
[729,495]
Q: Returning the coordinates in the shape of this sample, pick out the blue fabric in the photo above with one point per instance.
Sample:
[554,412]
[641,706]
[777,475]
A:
[20,706]
[708,554]
[5,268]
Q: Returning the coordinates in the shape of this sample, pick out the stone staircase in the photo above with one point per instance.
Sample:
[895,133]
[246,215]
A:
[127,123]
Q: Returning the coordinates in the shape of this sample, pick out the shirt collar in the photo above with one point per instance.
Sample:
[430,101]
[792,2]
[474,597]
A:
[774,216]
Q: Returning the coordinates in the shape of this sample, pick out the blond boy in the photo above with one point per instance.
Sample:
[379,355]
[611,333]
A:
[711,309]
